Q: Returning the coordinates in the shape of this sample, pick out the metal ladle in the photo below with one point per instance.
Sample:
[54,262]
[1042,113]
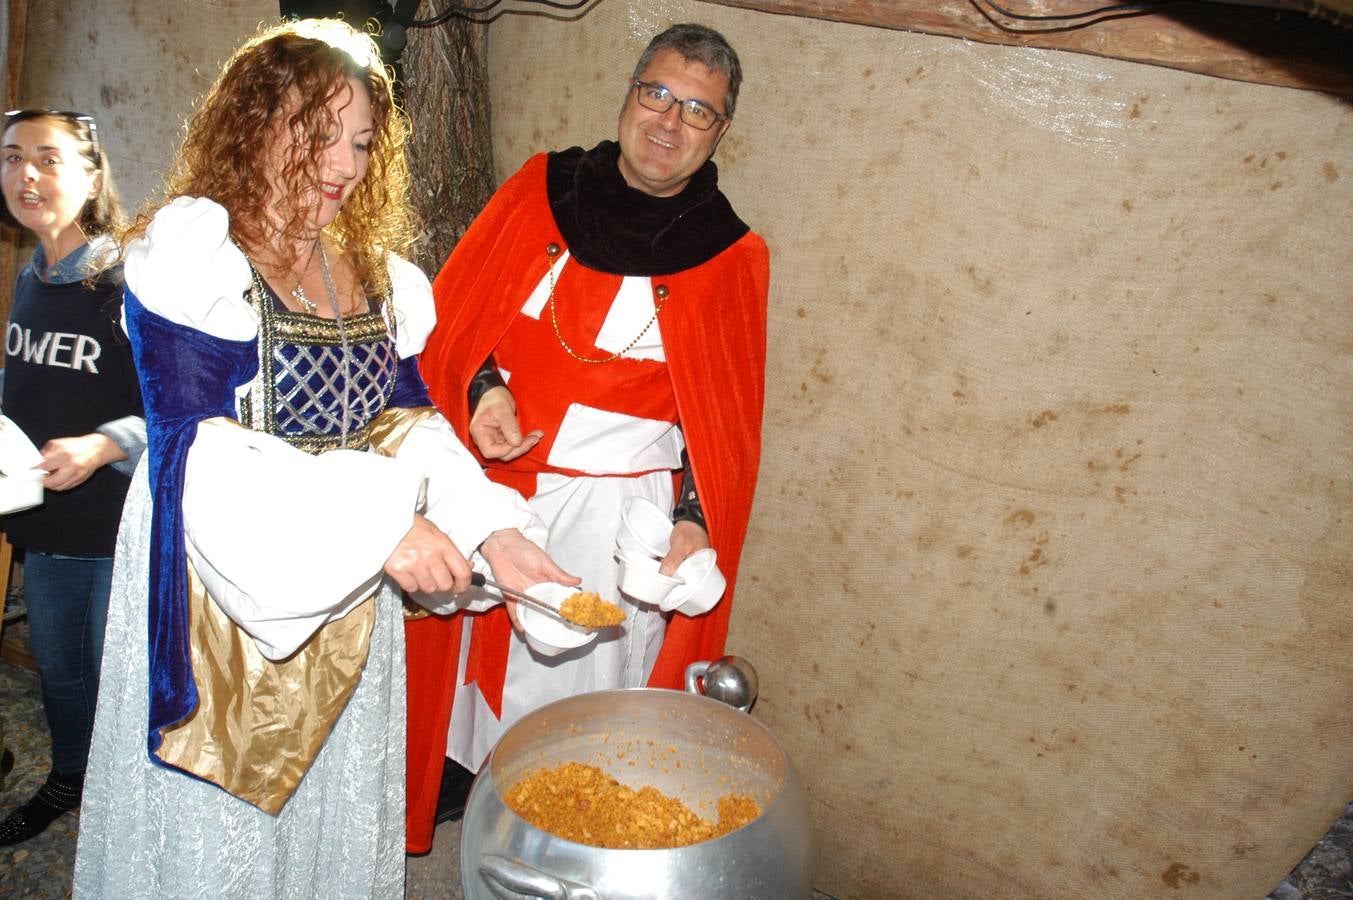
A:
[730,679]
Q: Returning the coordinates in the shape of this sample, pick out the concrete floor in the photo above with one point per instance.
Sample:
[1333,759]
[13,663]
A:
[437,875]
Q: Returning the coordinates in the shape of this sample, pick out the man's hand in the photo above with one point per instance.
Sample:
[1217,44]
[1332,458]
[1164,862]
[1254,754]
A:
[517,563]
[495,430]
[71,460]
[426,560]
[687,537]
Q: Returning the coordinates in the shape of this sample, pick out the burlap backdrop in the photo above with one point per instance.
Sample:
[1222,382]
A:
[1048,575]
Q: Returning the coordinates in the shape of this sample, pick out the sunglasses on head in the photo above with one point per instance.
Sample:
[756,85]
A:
[79,118]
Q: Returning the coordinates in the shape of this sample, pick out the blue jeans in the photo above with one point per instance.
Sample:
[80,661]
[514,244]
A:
[67,601]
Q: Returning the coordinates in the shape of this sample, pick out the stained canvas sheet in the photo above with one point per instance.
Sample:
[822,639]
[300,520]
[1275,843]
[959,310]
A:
[1049,579]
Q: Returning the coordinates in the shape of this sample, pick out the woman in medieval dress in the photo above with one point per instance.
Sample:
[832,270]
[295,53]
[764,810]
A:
[257,749]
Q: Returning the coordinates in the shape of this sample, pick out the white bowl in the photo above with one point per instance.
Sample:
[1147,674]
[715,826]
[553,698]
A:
[702,584]
[644,529]
[17,453]
[640,578]
[545,634]
[22,490]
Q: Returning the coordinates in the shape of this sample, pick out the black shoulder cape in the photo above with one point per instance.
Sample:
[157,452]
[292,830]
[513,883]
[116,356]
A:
[611,227]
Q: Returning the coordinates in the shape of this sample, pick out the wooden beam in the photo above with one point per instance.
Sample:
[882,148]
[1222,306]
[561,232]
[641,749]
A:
[13,648]
[1335,10]
[1245,43]
[16,32]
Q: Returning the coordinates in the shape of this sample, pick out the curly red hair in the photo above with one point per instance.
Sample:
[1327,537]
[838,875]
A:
[280,84]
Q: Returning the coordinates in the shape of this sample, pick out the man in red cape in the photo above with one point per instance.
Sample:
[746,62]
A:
[624,302]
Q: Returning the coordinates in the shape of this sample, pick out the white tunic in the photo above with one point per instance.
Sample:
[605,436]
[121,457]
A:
[583,517]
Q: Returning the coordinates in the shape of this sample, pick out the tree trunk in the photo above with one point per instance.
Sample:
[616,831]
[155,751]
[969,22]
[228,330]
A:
[446,94]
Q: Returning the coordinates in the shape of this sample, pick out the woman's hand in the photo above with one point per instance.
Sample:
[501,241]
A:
[687,537]
[426,560]
[517,563]
[495,430]
[71,460]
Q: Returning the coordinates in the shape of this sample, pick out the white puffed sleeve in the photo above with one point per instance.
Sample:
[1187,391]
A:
[187,269]
[461,500]
[285,541]
[414,306]
[463,503]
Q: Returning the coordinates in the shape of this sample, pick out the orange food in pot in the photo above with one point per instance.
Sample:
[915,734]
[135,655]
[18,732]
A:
[584,804]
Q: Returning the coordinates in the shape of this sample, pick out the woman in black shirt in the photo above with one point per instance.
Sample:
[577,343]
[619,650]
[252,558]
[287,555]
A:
[69,384]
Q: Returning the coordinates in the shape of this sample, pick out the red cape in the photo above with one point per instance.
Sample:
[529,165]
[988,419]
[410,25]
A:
[714,338]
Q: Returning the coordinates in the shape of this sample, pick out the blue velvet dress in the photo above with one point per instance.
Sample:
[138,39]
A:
[152,831]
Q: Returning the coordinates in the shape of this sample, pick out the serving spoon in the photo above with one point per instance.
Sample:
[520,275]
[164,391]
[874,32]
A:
[478,580]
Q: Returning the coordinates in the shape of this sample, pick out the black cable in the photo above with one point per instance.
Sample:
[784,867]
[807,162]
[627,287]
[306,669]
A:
[453,11]
[1103,10]
[470,12]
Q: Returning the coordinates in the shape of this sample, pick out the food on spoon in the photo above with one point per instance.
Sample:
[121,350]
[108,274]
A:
[584,804]
[590,611]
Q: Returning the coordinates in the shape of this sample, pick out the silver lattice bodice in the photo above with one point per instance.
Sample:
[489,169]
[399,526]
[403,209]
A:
[298,394]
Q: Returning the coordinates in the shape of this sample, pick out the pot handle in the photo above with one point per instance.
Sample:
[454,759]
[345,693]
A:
[512,880]
[730,679]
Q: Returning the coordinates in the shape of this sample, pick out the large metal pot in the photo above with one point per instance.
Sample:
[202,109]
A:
[688,746]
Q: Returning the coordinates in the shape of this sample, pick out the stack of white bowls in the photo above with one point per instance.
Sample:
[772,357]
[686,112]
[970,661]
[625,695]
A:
[643,540]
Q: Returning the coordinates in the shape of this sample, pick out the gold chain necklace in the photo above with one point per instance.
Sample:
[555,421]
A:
[659,291]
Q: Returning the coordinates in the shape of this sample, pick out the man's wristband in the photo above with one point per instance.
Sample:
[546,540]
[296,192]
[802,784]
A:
[487,377]
[688,508]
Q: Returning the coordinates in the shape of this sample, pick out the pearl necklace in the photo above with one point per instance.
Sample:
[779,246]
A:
[659,291]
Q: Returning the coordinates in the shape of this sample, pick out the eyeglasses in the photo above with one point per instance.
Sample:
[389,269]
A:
[79,118]
[695,113]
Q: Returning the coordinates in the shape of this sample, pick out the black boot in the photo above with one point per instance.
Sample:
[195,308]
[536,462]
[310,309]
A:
[59,795]
[456,781]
